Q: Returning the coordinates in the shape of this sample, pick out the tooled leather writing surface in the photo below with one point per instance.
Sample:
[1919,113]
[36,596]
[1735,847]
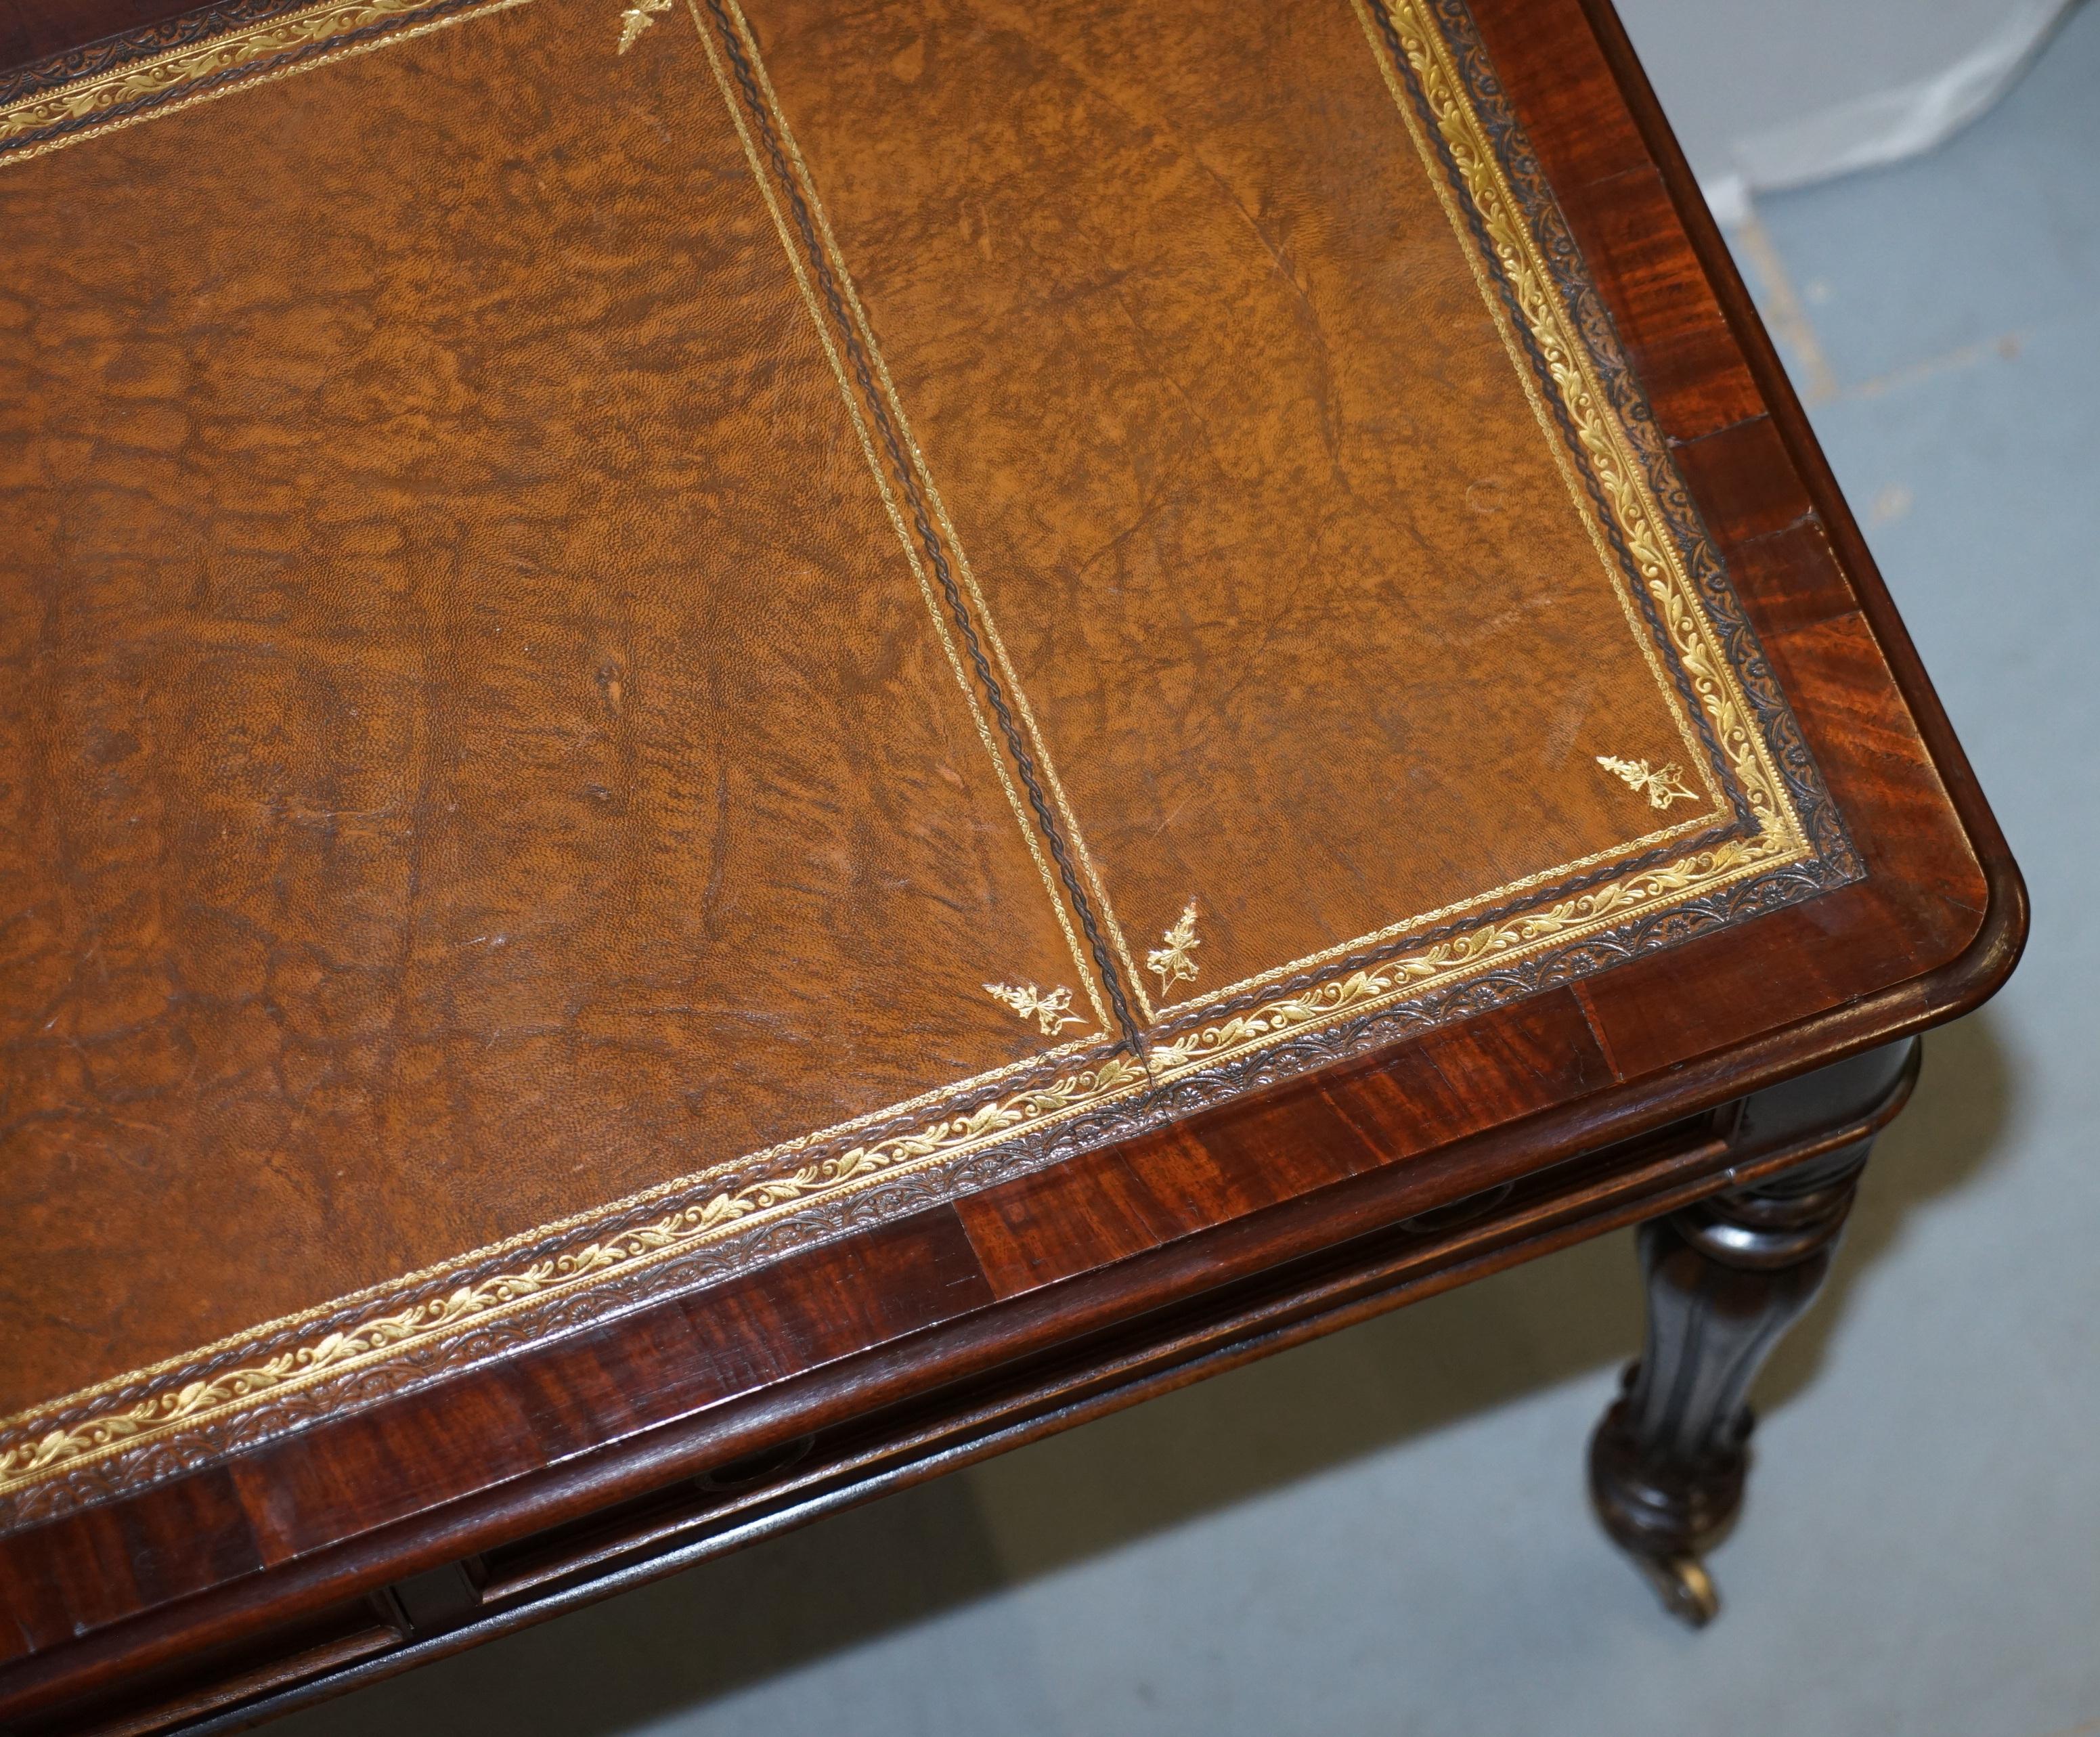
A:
[487,739]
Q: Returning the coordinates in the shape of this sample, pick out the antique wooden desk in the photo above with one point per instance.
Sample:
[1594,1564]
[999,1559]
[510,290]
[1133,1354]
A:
[749,751]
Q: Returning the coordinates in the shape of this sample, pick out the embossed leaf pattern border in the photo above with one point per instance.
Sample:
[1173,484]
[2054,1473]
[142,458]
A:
[98,1445]
[1636,418]
[125,78]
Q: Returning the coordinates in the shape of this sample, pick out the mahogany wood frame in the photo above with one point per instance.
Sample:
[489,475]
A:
[363,1546]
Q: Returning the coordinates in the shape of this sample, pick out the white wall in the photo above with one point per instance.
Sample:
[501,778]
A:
[1766,94]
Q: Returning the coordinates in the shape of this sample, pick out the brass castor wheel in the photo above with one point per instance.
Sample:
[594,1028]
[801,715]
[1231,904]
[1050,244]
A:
[1684,1586]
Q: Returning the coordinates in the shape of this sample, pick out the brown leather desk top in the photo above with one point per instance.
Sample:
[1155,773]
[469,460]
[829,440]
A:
[637,640]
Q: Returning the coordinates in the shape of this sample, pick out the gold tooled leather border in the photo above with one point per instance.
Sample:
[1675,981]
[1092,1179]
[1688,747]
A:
[136,88]
[186,1411]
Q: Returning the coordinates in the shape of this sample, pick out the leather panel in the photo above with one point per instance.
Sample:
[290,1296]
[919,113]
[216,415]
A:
[476,747]
[1281,552]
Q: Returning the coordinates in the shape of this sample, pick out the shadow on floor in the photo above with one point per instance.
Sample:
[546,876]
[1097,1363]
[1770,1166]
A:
[797,1600]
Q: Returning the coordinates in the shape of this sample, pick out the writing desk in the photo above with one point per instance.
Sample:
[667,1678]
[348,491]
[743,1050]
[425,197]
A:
[751,749]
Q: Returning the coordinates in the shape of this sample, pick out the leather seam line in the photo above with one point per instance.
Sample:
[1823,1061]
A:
[936,556]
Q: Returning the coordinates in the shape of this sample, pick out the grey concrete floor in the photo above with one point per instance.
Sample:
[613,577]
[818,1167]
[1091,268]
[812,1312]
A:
[1386,1531]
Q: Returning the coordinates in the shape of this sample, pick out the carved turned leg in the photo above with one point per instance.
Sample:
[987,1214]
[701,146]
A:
[1725,1280]
[1726,1277]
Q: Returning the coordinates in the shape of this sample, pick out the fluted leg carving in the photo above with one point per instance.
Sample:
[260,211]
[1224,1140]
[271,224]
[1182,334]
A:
[1725,1277]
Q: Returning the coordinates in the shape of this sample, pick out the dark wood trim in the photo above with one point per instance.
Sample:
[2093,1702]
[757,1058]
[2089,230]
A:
[2008,903]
